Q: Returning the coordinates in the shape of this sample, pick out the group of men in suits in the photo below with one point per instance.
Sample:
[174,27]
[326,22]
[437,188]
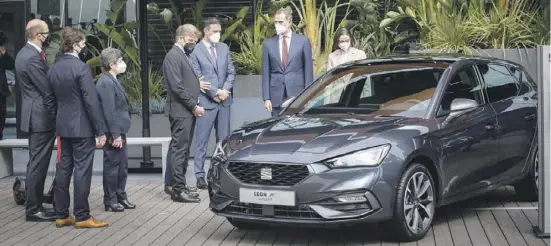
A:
[200,87]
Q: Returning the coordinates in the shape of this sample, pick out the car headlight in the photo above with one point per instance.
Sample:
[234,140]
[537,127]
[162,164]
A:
[219,154]
[369,157]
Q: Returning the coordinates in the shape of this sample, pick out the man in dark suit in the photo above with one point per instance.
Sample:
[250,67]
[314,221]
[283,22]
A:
[6,63]
[79,121]
[212,60]
[182,107]
[37,116]
[287,66]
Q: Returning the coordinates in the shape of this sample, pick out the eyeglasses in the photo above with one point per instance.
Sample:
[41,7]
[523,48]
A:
[279,22]
[45,33]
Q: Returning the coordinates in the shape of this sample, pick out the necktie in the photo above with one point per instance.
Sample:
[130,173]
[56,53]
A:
[284,51]
[43,55]
[213,56]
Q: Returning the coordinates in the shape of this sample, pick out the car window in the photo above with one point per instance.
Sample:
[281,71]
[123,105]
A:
[500,83]
[390,90]
[462,85]
[524,80]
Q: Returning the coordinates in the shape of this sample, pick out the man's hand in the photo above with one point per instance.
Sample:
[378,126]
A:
[117,143]
[268,105]
[199,111]
[2,50]
[217,99]
[100,141]
[222,94]
[204,86]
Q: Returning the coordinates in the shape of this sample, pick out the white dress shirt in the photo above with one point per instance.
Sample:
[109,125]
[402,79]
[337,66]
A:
[35,46]
[208,45]
[288,39]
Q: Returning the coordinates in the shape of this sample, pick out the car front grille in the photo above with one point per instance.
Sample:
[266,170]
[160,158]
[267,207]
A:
[280,174]
[281,212]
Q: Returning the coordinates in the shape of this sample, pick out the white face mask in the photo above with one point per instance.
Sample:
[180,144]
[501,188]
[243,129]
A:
[214,38]
[121,67]
[344,46]
[280,29]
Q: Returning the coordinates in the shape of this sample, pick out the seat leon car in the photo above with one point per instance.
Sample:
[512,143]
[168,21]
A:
[386,140]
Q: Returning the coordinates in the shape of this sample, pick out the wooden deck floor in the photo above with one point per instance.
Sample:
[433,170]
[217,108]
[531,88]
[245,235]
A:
[159,221]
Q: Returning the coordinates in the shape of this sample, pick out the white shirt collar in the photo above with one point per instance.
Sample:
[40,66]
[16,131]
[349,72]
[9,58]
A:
[73,54]
[288,35]
[35,46]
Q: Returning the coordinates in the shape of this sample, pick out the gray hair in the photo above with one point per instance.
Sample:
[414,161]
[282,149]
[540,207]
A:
[210,21]
[109,56]
[287,11]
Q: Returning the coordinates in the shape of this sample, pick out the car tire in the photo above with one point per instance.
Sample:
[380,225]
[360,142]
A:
[246,225]
[527,188]
[414,210]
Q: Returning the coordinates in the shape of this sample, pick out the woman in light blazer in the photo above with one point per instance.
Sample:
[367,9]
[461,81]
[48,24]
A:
[116,112]
[343,49]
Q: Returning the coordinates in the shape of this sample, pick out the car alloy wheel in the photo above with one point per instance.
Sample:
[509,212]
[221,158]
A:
[419,202]
[536,171]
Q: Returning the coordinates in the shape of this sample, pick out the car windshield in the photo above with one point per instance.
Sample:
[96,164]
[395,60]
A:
[401,90]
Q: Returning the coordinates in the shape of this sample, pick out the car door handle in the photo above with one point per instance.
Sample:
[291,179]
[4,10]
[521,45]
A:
[489,127]
[530,117]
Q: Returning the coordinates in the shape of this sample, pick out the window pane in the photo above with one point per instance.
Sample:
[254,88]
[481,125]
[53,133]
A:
[500,83]
[462,85]
[82,14]
[391,90]
[50,11]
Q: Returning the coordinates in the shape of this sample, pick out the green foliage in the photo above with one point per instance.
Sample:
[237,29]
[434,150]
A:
[131,81]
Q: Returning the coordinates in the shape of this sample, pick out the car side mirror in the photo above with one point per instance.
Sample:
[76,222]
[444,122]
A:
[461,105]
[287,102]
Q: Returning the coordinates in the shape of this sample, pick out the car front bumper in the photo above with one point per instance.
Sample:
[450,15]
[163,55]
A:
[325,197]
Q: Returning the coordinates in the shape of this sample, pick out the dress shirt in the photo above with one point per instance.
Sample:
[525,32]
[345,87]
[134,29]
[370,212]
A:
[288,39]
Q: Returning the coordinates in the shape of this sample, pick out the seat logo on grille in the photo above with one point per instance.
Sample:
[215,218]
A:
[266,173]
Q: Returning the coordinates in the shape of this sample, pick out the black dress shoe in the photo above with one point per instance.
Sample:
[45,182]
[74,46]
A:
[201,184]
[183,197]
[192,191]
[40,217]
[127,205]
[114,208]
[168,189]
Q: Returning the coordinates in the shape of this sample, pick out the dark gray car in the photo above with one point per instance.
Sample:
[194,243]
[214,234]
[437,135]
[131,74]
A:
[382,140]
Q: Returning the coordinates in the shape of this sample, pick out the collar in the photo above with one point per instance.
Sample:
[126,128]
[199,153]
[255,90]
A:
[289,35]
[35,46]
[207,44]
[72,54]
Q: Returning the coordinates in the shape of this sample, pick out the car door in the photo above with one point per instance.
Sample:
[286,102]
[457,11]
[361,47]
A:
[516,110]
[469,141]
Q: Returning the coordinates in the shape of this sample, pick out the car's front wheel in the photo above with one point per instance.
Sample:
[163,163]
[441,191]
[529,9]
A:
[415,203]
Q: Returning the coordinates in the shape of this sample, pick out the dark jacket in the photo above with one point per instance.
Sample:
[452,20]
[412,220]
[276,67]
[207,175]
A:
[6,63]
[181,83]
[37,107]
[78,111]
[114,104]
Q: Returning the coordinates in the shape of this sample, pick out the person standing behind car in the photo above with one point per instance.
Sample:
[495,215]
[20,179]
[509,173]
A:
[212,60]
[116,112]
[79,121]
[182,106]
[343,50]
[6,63]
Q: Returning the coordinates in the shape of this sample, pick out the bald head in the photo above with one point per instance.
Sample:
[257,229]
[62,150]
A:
[37,30]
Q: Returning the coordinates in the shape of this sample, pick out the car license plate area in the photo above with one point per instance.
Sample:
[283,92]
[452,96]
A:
[267,197]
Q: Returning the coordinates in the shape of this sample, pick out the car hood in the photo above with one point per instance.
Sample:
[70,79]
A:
[312,135]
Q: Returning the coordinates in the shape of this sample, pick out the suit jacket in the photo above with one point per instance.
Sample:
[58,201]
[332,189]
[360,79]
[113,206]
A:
[114,105]
[6,63]
[299,73]
[181,83]
[78,110]
[339,57]
[220,77]
[37,111]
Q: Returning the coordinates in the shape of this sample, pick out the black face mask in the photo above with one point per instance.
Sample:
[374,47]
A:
[83,53]
[188,48]
[46,42]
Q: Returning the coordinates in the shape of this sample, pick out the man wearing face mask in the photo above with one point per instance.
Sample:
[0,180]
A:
[212,60]
[182,108]
[80,126]
[38,114]
[287,66]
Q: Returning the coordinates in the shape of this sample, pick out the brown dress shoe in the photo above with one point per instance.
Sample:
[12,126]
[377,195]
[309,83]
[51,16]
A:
[69,221]
[91,223]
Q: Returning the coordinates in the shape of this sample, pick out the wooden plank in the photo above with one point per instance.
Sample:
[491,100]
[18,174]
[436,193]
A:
[442,234]
[250,238]
[185,235]
[458,230]
[267,238]
[168,235]
[234,237]
[474,228]
[220,234]
[428,240]
[523,225]
[490,226]
[79,237]
[134,191]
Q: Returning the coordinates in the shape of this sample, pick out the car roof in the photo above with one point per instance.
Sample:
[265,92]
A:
[448,58]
